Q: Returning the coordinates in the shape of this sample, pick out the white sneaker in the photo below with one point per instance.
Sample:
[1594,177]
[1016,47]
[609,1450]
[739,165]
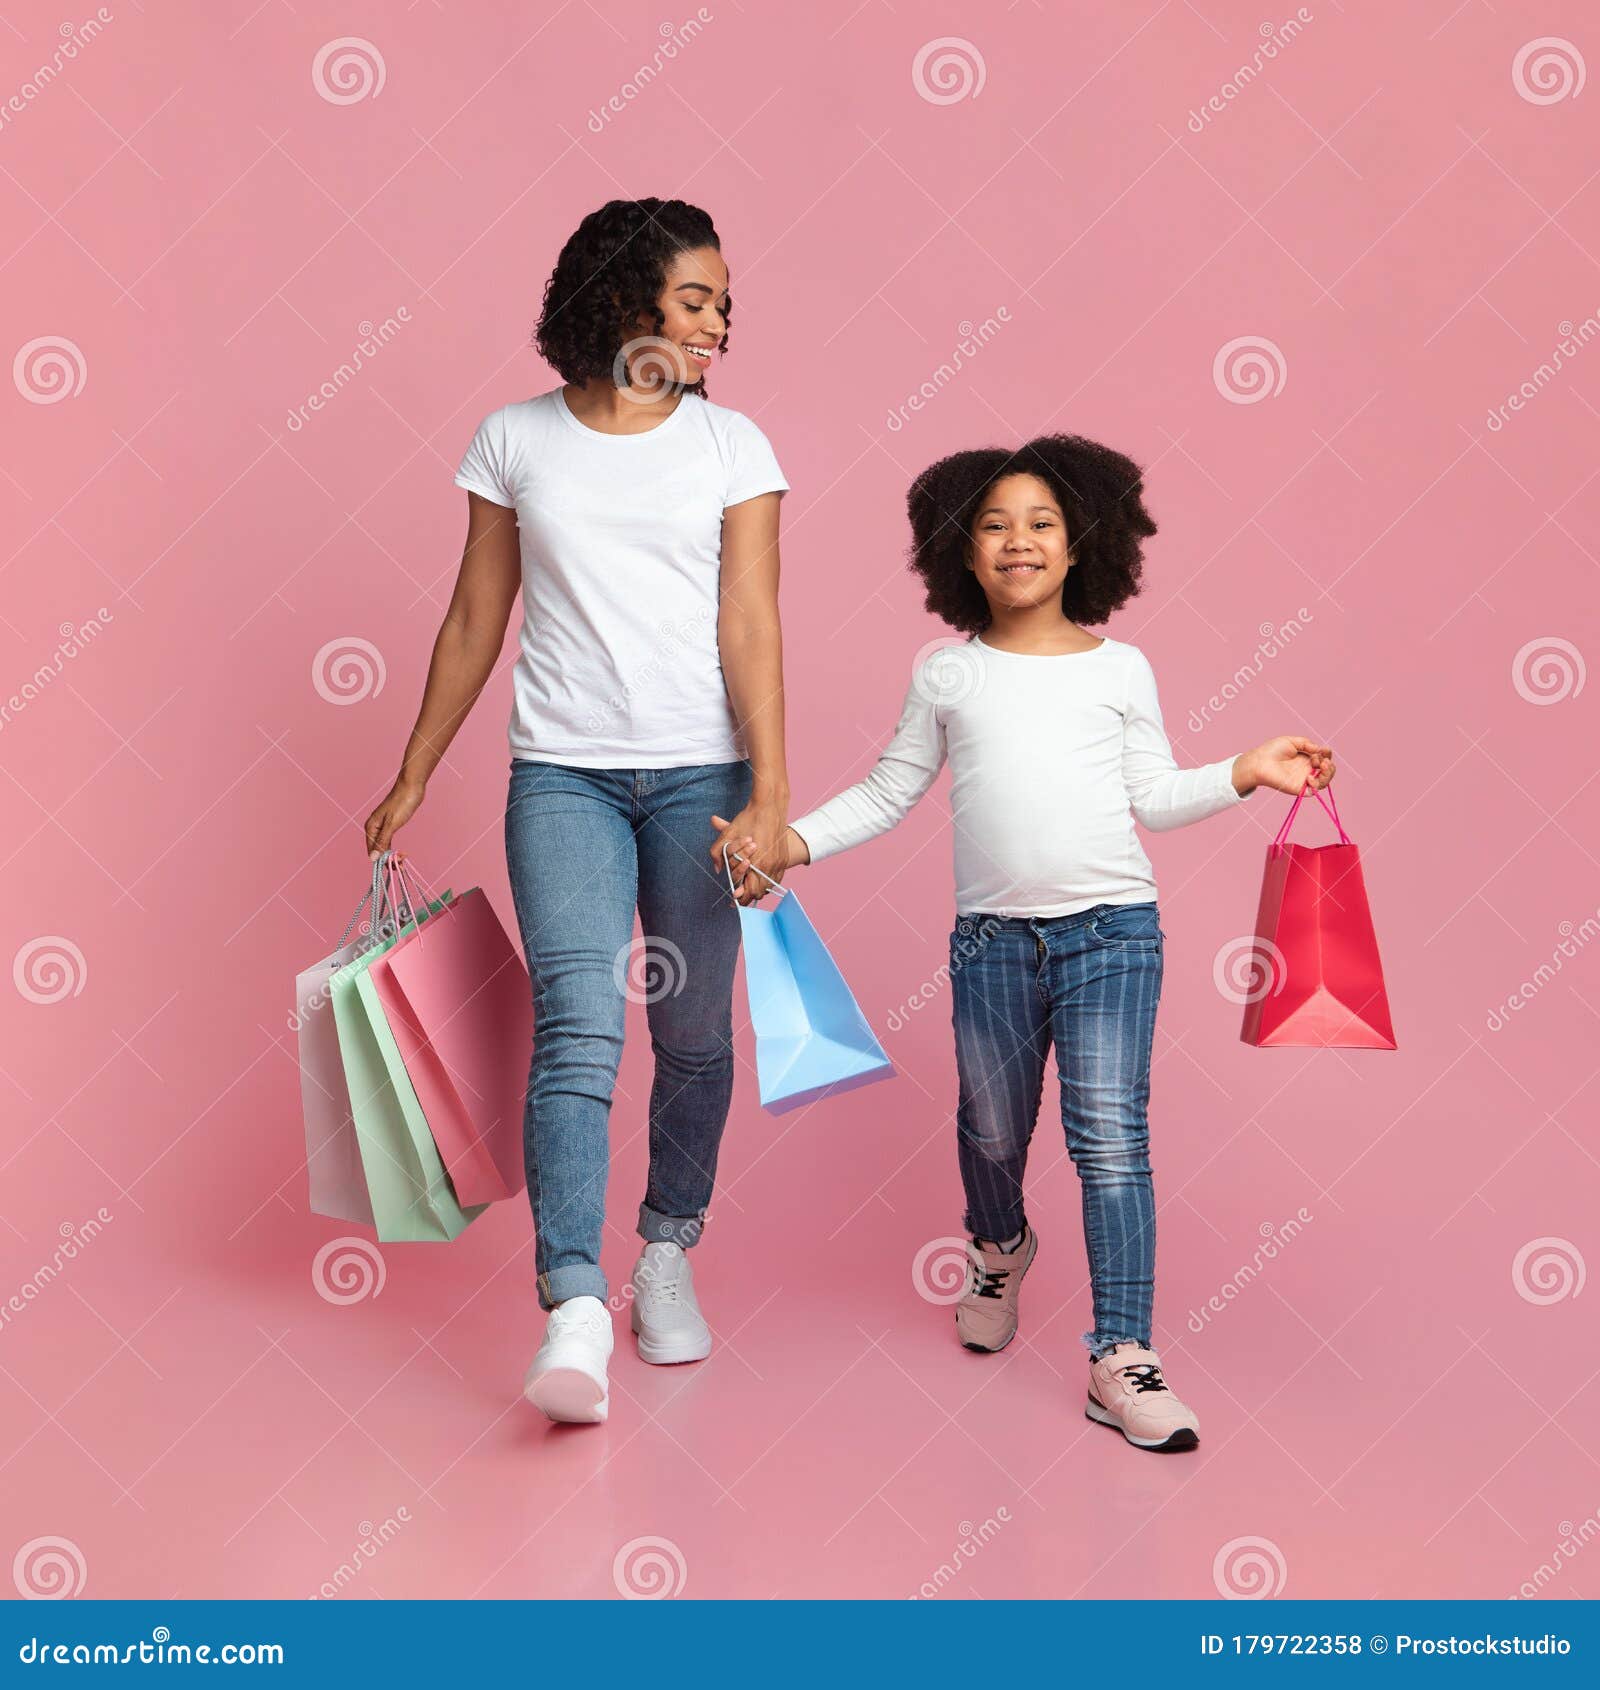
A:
[568,1376]
[666,1316]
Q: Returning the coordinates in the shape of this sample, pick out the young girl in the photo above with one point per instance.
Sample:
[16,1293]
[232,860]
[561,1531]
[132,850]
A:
[1056,748]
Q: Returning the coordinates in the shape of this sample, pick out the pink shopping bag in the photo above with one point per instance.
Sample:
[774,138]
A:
[1321,976]
[458,1000]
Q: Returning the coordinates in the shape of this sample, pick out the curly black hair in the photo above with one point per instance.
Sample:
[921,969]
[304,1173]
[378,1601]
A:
[611,269]
[1100,494]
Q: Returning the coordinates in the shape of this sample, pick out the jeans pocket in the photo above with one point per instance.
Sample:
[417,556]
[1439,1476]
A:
[1127,924]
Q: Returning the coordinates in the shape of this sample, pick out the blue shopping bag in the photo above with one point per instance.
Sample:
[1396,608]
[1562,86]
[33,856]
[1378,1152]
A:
[811,1038]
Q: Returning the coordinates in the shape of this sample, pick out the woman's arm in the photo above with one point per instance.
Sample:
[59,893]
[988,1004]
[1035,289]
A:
[473,631]
[750,643]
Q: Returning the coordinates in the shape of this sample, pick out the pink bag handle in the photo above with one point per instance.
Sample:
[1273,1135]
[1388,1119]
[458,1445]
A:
[404,881]
[1325,798]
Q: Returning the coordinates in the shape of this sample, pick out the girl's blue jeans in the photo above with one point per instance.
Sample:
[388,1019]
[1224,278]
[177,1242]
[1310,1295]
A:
[1088,984]
[585,848]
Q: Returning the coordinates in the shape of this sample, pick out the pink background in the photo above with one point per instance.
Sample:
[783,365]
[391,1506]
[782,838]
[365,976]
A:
[1382,1405]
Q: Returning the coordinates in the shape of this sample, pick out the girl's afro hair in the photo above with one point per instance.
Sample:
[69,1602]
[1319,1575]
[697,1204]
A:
[612,268]
[1099,492]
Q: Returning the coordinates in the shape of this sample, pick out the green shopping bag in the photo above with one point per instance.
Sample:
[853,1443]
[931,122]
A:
[412,1198]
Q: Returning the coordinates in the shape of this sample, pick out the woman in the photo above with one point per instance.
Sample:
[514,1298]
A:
[641,523]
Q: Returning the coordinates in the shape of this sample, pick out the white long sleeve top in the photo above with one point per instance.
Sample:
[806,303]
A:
[1052,761]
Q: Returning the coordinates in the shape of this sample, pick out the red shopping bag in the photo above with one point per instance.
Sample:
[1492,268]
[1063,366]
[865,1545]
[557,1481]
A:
[1319,979]
[458,1000]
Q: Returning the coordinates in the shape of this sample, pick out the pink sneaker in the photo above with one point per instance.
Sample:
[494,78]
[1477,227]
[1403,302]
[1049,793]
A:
[1126,1390]
[986,1316]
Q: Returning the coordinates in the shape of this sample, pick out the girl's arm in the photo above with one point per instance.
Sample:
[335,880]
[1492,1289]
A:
[750,644]
[1161,794]
[1164,796]
[464,655]
[908,767]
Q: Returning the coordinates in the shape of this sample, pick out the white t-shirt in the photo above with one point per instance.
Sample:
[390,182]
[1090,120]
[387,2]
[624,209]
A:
[621,538]
[1052,760]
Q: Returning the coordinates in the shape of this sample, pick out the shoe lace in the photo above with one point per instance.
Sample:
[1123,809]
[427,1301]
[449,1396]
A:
[657,1286]
[1146,1376]
[581,1321]
[989,1282]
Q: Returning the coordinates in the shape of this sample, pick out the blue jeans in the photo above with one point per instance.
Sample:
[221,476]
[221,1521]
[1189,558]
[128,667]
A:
[1088,983]
[584,848]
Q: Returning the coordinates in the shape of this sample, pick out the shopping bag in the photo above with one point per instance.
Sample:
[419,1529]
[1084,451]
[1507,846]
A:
[412,1199]
[338,1186]
[459,1005]
[1319,980]
[811,1038]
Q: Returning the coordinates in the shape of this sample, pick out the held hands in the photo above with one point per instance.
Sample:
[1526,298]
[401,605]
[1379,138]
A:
[1285,764]
[760,835]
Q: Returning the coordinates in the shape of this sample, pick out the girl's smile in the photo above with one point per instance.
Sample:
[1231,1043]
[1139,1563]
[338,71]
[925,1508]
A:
[1019,544]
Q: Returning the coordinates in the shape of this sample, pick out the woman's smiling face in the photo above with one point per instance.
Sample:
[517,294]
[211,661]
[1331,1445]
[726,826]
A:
[694,302]
[1019,544]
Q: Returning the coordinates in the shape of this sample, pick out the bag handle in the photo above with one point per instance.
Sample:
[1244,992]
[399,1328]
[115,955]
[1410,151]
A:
[778,886]
[369,896]
[1323,797]
[406,906]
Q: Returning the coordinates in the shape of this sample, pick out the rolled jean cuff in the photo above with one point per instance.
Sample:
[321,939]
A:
[682,1230]
[1096,1343]
[581,1279]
